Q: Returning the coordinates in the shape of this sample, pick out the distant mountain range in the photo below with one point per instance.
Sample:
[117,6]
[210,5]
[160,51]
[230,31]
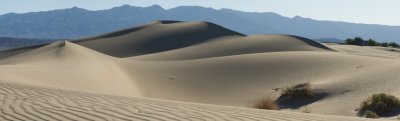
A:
[76,23]
[19,42]
[9,42]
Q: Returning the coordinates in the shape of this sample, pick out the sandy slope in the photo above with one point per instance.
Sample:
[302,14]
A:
[155,37]
[204,63]
[237,46]
[68,66]
[383,52]
[21,102]
[238,80]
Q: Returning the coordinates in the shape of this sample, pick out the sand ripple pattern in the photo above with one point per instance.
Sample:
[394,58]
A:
[25,103]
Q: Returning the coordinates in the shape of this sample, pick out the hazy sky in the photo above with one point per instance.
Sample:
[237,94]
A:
[359,11]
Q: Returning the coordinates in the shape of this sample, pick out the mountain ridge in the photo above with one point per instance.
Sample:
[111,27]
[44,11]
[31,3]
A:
[76,22]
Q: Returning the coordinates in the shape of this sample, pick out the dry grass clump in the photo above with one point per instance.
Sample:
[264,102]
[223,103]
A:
[379,104]
[370,114]
[298,91]
[267,104]
[306,110]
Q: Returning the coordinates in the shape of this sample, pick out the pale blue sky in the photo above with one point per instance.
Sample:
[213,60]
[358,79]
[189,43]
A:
[359,11]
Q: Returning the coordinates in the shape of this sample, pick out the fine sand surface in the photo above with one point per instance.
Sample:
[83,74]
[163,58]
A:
[190,62]
[29,103]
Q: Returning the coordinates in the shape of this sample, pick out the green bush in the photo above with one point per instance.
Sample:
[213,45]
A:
[384,44]
[380,104]
[393,44]
[298,91]
[372,42]
[355,41]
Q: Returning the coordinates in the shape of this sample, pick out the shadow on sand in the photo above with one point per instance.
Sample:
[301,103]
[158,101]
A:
[395,111]
[299,102]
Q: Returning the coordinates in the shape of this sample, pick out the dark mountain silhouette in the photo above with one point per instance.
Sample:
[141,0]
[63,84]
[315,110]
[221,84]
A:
[10,42]
[329,40]
[76,23]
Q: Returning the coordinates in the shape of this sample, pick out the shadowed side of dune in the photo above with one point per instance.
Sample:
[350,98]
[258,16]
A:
[155,37]
[150,38]
[311,42]
[11,52]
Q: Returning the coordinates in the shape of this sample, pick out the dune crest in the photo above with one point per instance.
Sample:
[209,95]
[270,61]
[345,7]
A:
[67,65]
[229,46]
[155,37]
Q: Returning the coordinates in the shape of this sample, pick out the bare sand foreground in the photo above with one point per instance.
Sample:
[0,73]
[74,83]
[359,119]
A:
[123,74]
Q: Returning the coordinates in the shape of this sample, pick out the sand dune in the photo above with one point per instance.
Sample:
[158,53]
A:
[382,52]
[22,102]
[68,66]
[238,46]
[239,80]
[192,62]
[155,37]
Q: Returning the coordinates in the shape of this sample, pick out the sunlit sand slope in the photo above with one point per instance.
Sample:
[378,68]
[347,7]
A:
[27,103]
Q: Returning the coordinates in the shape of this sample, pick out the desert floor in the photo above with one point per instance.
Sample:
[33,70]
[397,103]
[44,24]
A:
[169,70]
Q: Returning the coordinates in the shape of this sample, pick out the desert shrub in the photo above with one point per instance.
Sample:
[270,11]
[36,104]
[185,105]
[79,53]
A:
[267,104]
[372,42]
[380,104]
[355,41]
[298,91]
[370,114]
[384,44]
[394,44]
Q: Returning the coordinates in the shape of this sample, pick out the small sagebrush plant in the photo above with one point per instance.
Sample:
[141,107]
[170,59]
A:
[379,104]
[370,114]
[266,103]
[298,91]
